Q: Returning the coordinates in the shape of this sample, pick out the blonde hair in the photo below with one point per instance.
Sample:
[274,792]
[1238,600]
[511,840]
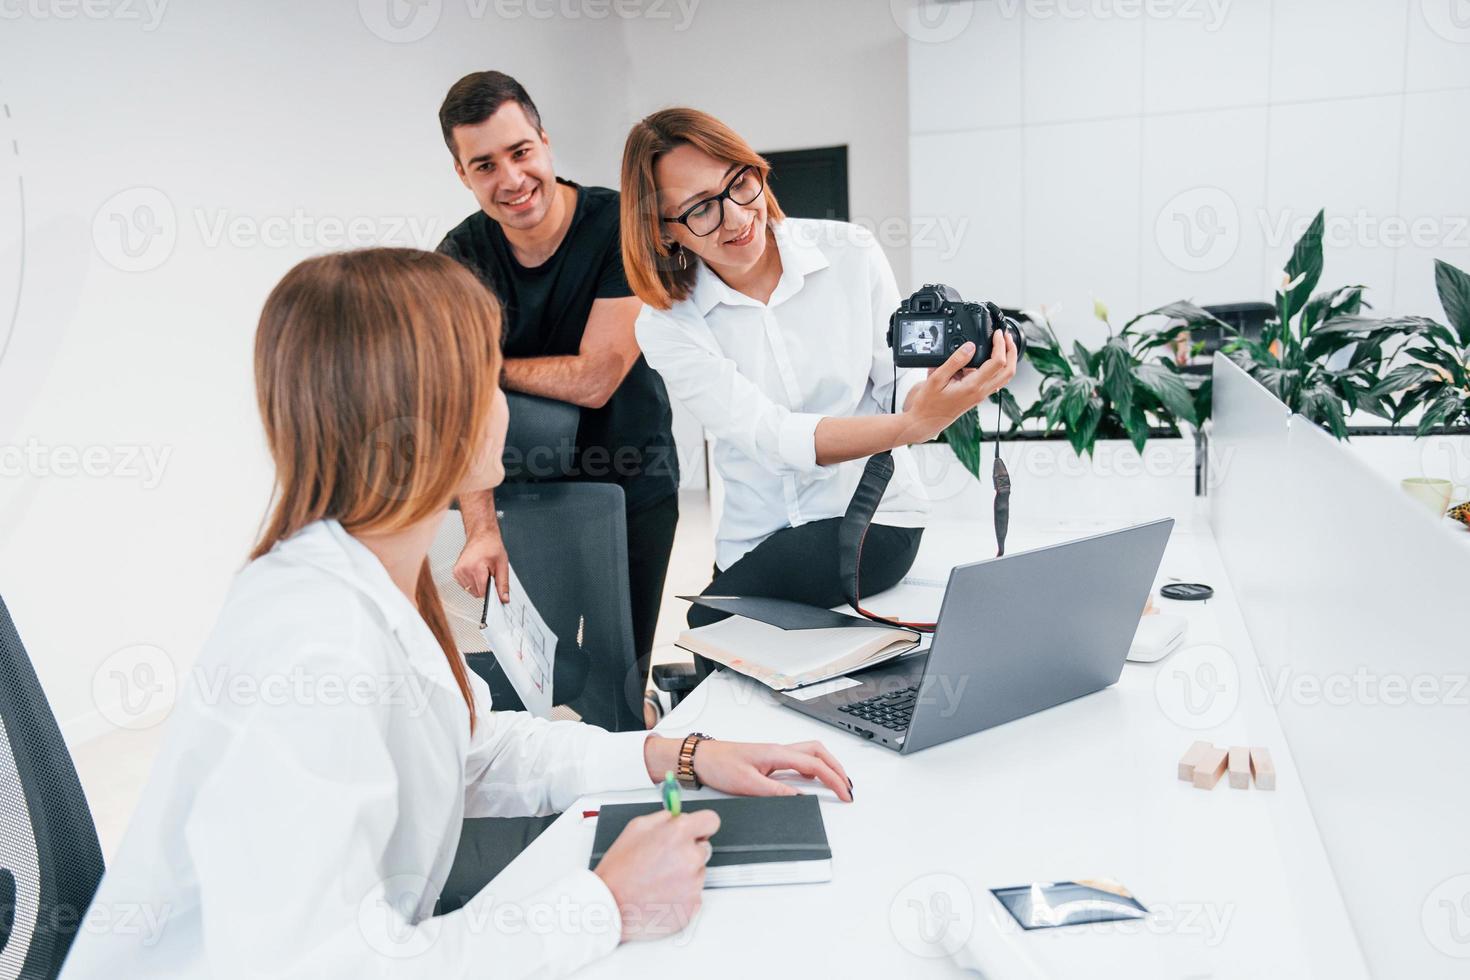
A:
[375,373]
[647,262]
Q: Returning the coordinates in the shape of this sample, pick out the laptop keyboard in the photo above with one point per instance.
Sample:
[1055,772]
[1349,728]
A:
[891,710]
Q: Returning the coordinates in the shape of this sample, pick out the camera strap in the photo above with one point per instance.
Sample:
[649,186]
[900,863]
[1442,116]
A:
[858,519]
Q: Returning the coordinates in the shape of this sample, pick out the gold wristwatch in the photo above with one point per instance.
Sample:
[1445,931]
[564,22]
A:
[685,772]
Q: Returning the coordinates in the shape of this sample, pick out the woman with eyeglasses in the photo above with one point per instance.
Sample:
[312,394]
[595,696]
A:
[772,330]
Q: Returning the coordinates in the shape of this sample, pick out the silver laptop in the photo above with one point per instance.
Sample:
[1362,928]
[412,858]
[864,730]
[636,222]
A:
[1015,635]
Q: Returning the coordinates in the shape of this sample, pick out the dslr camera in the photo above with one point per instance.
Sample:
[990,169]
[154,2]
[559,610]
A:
[934,322]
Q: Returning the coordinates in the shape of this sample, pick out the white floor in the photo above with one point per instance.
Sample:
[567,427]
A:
[113,767]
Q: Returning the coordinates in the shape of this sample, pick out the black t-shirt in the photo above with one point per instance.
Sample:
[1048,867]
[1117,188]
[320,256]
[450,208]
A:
[629,441]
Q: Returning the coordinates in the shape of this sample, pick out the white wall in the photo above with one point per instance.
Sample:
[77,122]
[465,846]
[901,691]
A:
[1084,142]
[255,116]
[793,74]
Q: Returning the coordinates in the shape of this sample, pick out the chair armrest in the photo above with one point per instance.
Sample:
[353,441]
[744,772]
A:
[675,678]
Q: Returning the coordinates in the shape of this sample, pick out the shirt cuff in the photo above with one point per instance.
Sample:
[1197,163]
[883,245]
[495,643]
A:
[566,925]
[797,440]
[614,761]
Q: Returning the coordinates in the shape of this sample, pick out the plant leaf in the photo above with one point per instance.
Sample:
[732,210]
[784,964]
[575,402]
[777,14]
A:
[1117,364]
[1048,360]
[1083,434]
[1009,406]
[1183,309]
[1075,395]
[963,437]
[1303,269]
[1447,404]
[1083,358]
[1454,295]
[1170,390]
[1324,406]
[1404,376]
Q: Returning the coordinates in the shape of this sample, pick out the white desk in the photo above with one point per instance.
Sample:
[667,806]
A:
[1237,879]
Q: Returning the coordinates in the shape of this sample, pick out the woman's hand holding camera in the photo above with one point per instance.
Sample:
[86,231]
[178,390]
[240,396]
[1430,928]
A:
[953,389]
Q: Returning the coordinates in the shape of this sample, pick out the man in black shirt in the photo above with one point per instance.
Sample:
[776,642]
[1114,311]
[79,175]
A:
[550,250]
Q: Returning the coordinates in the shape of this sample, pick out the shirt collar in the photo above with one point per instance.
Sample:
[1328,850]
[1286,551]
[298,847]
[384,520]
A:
[326,545]
[800,257]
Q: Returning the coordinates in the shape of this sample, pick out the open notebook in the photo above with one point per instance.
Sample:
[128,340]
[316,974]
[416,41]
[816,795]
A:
[786,645]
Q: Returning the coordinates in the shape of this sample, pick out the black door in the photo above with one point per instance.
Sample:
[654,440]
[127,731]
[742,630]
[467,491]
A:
[811,183]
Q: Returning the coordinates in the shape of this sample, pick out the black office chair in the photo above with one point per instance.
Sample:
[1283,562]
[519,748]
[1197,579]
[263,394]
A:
[50,861]
[568,542]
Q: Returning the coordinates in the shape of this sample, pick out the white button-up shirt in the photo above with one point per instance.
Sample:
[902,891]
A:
[760,376]
[303,814]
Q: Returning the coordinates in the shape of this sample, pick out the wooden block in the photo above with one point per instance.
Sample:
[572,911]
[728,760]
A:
[1209,769]
[1187,762]
[1240,767]
[1263,769]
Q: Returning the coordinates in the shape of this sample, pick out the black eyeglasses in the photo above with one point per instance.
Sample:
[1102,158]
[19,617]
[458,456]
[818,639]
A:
[705,217]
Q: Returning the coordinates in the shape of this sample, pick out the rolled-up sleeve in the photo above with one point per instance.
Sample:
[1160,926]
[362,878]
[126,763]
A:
[724,401]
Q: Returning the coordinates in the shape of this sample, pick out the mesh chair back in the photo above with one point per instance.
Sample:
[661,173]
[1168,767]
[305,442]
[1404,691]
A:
[50,861]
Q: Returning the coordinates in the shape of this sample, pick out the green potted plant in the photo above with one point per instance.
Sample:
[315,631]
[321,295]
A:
[1127,388]
[1435,379]
[1318,354]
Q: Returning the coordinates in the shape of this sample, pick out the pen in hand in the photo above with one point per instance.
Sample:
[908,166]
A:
[485,610]
[671,794]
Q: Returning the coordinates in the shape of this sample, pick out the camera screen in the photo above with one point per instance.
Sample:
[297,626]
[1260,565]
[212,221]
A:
[921,336]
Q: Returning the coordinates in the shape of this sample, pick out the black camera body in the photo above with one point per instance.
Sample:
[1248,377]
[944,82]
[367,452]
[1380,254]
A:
[933,323]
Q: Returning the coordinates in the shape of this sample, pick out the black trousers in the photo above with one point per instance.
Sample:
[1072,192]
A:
[650,542]
[800,563]
[486,846]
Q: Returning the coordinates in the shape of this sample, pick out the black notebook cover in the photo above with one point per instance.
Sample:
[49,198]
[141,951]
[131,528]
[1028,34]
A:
[782,613]
[753,830]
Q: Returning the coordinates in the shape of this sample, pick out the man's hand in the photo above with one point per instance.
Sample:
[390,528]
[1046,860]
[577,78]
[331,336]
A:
[655,870]
[484,558]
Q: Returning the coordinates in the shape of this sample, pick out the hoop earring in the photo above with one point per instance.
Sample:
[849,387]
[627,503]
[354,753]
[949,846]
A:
[683,259]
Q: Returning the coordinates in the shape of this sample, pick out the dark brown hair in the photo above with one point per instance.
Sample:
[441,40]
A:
[375,373]
[648,263]
[477,97]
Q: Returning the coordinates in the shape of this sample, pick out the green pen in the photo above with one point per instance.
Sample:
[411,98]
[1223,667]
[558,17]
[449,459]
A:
[671,794]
